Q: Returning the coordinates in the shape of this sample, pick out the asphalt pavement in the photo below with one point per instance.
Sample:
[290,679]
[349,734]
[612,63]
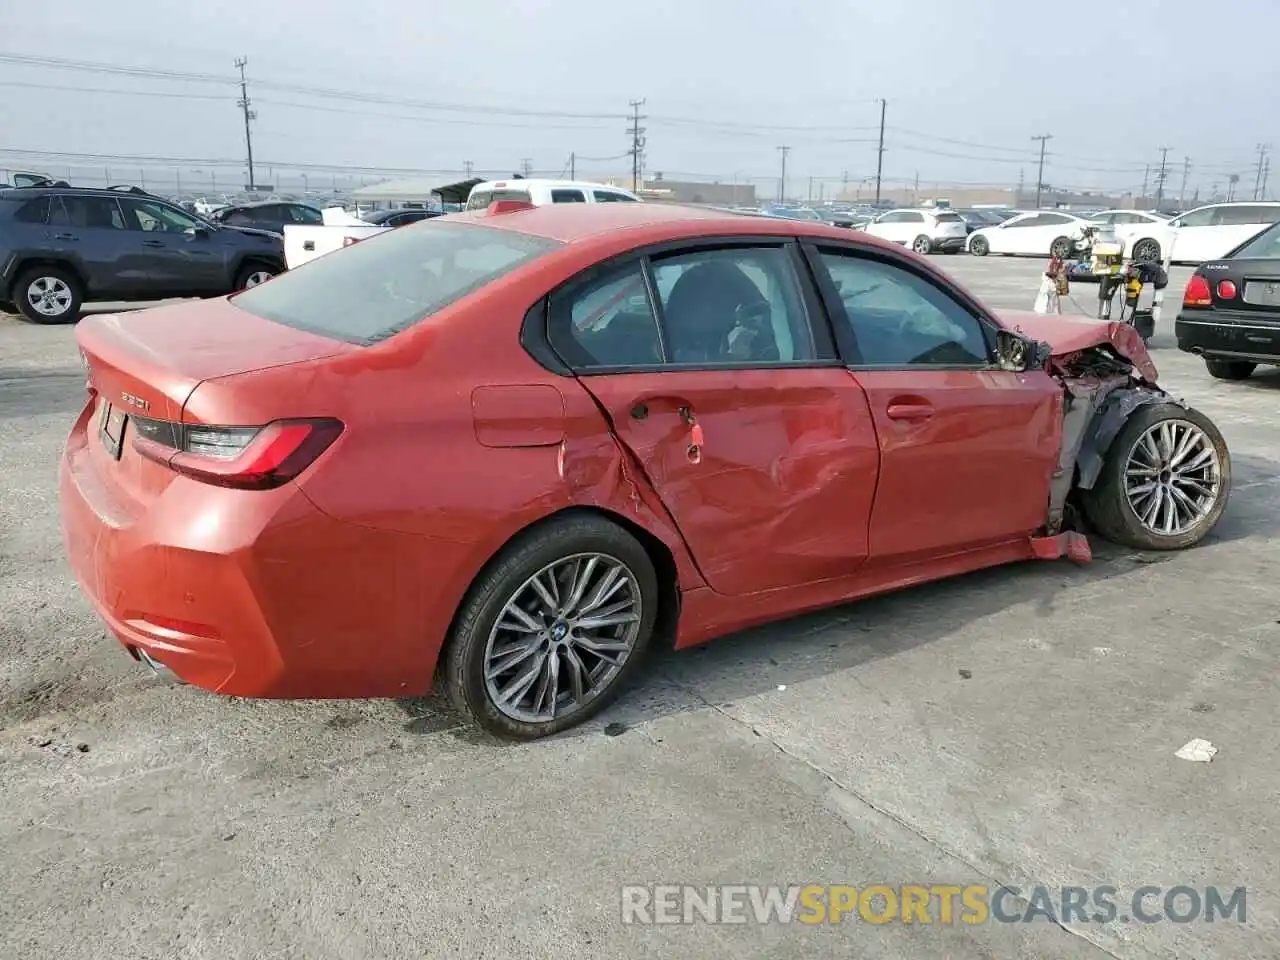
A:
[1010,728]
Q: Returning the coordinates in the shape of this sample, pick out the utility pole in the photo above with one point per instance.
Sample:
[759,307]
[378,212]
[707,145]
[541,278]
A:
[809,195]
[637,143]
[1044,139]
[467,167]
[573,166]
[1160,177]
[243,104]
[782,180]
[1262,158]
[1146,175]
[1266,172]
[1182,192]
[915,189]
[1022,183]
[844,184]
[880,149]
[526,166]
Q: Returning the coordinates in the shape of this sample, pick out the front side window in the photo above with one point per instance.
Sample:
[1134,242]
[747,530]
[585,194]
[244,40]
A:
[301,214]
[371,290]
[1200,218]
[155,217]
[900,319]
[733,306]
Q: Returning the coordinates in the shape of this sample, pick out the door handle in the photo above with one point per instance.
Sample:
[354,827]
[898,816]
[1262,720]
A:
[65,236]
[909,410]
[153,243]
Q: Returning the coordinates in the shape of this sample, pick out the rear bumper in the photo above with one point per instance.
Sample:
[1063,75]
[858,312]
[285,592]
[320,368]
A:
[253,593]
[1228,335]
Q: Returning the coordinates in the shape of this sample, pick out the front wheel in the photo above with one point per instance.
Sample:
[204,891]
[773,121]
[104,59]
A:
[979,246]
[922,245]
[553,629]
[1229,369]
[1165,481]
[254,274]
[1060,248]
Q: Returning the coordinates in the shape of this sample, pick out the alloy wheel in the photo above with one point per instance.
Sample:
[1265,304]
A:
[1172,477]
[257,277]
[49,296]
[562,638]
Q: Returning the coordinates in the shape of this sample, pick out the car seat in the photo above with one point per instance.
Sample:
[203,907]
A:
[702,311]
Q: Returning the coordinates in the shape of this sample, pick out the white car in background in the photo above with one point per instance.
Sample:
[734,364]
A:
[924,231]
[1038,233]
[1205,233]
[1126,223]
[544,192]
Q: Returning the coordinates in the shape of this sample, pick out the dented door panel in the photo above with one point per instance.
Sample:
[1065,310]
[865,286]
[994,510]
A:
[967,457]
[769,474]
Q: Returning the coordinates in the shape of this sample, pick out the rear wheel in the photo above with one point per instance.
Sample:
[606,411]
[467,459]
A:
[979,246]
[1060,248]
[1165,481]
[253,274]
[1146,251]
[922,245]
[554,629]
[1229,369]
[48,295]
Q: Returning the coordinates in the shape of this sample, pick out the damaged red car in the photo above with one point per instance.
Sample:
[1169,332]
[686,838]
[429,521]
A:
[505,451]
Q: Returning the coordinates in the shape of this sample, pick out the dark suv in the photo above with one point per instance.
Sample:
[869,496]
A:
[61,246]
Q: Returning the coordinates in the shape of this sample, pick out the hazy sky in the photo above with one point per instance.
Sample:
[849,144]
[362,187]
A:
[968,83]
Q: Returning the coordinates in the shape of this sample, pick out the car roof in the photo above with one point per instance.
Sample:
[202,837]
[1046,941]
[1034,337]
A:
[1234,203]
[518,183]
[650,222]
[255,204]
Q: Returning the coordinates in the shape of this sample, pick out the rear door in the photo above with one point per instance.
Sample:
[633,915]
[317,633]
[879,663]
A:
[967,451]
[716,371]
[92,229]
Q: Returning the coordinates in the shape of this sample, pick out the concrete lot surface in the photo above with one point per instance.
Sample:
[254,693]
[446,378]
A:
[1012,727]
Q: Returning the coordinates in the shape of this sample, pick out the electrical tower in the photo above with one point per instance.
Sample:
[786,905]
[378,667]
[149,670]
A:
[467,167]
[526,167]
[249,115]
[1266,172]
[636,132]
[1044,139]
[1263,149]
[782,179]
[880,149]
[1161,176]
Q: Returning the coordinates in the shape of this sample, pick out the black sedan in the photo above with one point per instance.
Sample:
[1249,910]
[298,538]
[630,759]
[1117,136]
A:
[400,218]
[1231,309]
[273,215]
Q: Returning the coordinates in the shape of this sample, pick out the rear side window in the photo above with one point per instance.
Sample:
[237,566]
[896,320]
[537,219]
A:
[608,196]
[568,196]
[33,211]
[950,218]
[371,290]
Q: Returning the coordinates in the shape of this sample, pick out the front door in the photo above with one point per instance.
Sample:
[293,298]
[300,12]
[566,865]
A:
[759,444]
[967,451]
[181,259]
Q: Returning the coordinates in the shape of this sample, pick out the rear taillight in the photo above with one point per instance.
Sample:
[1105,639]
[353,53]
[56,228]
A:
[1226,290]
[251,458]
[1197,293]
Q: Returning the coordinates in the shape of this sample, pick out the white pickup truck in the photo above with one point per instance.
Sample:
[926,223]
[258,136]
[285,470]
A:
[303,243]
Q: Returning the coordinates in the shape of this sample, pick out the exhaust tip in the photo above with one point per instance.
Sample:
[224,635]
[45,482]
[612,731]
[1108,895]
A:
[158,668]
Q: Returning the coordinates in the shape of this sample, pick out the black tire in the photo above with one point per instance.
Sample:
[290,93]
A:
[1147,251]
[245,278]
[922,245]
[1107,505]
[69,300]
[979,246]
[464,660]
[1229,369]
[1061,248]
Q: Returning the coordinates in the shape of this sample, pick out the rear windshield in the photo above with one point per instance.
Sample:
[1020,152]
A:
[1265,245]
[373,289]
[481,199]
[950,218]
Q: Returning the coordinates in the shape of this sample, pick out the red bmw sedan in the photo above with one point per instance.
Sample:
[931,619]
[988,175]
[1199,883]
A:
[508,449]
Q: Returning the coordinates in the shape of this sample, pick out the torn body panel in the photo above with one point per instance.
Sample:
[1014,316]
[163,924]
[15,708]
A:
[1067,335]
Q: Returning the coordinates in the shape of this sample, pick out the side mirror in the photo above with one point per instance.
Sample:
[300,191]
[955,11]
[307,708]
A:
[199,233]
[1018,352]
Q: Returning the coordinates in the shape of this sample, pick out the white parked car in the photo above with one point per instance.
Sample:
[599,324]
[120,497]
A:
[1126,223]
[1205,233]
[1039,233]
[544,192]
[924,231]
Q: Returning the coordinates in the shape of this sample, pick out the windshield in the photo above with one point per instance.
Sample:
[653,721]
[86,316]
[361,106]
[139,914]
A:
[1265,245]
[370,290]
